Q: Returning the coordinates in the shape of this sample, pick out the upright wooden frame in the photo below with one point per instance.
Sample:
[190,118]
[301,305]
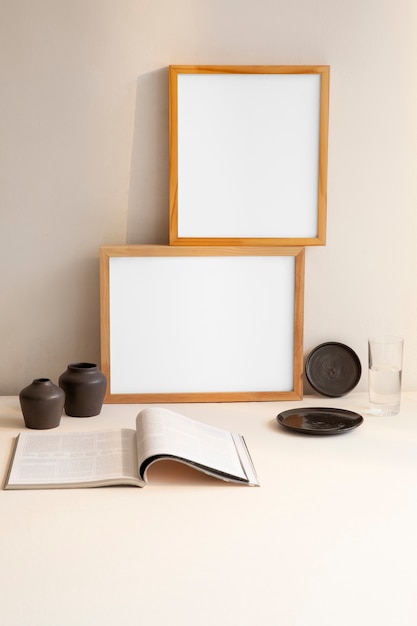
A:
[248,155]
[176,321]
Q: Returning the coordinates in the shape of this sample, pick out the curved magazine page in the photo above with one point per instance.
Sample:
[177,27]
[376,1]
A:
[164,434]
[201,468]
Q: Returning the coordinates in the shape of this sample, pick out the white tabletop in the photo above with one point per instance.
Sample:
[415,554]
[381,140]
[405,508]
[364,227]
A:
[329,539]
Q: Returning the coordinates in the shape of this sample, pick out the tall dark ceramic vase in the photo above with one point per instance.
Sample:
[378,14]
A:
[85,387]
[42,404]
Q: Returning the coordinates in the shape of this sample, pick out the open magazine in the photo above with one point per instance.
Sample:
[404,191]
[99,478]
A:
[48,460]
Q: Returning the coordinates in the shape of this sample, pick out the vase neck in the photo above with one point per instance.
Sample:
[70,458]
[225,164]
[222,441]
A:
[82,367]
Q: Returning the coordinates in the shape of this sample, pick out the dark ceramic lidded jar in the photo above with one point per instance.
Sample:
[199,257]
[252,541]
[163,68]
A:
[42,404]
[85,387]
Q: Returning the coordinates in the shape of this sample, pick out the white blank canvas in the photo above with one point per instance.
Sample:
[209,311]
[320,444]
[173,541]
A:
[248,155]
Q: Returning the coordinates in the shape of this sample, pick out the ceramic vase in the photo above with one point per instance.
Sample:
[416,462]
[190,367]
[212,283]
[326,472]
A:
[85,387]
[42,404]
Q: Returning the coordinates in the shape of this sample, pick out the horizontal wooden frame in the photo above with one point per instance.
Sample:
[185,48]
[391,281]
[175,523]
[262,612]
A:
[151,297]
[211,202]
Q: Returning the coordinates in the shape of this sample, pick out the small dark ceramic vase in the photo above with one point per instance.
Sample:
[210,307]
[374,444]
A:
[85,387]
[42,404]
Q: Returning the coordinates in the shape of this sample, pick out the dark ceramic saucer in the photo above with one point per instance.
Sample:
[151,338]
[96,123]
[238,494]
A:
[319,421]
[333,369]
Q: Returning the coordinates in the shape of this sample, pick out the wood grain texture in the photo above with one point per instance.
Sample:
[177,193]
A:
[320,239]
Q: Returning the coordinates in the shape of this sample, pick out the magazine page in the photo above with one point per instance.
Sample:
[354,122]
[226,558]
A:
[162,432]
[74,458]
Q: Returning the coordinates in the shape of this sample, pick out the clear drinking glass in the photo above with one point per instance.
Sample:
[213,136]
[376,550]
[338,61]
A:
[384,376]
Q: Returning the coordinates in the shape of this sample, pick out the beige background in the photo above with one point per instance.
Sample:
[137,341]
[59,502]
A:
[84,158]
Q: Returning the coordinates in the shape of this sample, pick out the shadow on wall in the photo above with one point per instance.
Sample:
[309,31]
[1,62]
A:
[148,202]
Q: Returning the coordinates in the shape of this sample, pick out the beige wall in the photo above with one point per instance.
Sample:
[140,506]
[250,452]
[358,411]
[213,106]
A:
[84,158]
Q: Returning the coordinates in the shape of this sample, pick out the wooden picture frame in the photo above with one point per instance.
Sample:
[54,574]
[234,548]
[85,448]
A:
[201,324]
[248,155]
